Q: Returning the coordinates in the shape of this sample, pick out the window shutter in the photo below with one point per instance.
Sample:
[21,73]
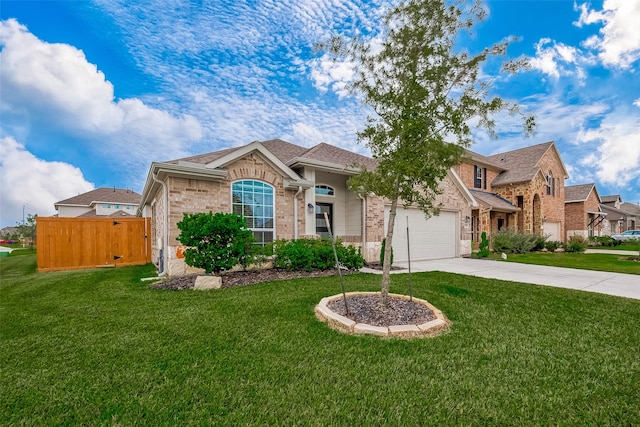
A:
[484,178]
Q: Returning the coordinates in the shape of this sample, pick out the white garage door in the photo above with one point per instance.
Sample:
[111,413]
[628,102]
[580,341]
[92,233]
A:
[429,239]
[552,229]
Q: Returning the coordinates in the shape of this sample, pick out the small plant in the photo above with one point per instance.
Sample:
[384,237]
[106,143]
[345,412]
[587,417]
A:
[552,245]
[216,242]
[384,243]
[484,246]
[514,242]
[575,244]
[314,254]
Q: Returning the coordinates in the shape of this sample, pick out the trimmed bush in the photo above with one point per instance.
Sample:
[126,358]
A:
[215,242]
[575,244]
[483,246]
[552,245]
[514,242]
[607,241]
[314,254]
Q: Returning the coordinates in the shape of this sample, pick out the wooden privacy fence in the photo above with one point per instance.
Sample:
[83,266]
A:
[77,243]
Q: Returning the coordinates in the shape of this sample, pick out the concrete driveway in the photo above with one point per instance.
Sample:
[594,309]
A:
[618,284]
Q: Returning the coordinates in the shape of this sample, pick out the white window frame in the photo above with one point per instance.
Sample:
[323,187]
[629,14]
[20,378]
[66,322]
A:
[273,206]
[324,186]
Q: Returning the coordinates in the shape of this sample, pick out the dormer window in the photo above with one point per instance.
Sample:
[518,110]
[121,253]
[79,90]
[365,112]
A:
[325,190]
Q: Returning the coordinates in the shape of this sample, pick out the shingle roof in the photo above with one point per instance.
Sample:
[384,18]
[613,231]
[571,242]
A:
[286,152]
[103,195]
[610,199]
[496,202]
[577,193]
[630,208]
[93,214]
[328,153]
[479,158]
[519,165]
[613,214]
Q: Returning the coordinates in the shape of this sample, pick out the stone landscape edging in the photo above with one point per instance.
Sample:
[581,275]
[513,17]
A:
[341,323]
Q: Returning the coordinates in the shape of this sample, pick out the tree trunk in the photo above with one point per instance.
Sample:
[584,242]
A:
[386,267]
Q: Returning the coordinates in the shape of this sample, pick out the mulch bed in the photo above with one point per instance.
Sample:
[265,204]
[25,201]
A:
[367,309]
[234,279]
[362,308]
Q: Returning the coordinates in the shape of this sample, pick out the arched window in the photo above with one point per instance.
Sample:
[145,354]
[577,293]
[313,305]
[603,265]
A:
[254,200]
[325,190]
[551,185]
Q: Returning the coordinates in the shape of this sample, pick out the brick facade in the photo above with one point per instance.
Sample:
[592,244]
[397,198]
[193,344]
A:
[578,218]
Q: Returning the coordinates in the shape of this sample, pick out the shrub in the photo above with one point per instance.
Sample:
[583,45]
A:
[575,244]
[603,241]
[215,242]
[384,243]
[314,254]
[539,243]
[552,245]
[484,246]
[514,242]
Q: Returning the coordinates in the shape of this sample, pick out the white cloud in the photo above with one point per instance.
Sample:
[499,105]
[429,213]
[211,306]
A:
[618,43]
[328,74]
[616,159]
[637,102]
[34,183]
[557,59]
[55,83]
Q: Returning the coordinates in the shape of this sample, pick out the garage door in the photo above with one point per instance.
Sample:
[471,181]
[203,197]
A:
[552,229]
[431,238]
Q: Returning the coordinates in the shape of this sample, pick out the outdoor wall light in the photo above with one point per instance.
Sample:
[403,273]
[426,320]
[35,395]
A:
[310,208]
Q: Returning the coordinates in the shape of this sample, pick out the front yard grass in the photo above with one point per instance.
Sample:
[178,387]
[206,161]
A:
[98,347]
[600,262]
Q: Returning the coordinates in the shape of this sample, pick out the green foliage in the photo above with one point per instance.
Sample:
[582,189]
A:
[382,249]
[552,245]
[483,246]
[514,242]
[540,242]
[28,229]
[575,244]
[607,241]
[100,348]
[425,91]
[314,254]
[216,242]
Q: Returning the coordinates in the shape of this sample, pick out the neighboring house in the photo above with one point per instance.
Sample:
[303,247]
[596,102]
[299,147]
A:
[582,211]
[633,216]
[101,202]
[521,189]
[616,218]
[283,191]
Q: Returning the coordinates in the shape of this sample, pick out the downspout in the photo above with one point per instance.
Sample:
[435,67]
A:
[295,213]
[364,223]
[165,253]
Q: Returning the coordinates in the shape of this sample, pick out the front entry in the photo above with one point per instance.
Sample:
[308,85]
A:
[321,224]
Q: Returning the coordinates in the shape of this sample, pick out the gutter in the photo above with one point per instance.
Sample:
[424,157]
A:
[165,244]
[364,222]
[295,213]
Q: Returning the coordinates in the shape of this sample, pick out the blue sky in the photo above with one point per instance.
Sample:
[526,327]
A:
[91,92]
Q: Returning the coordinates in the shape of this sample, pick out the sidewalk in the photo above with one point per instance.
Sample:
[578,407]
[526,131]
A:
[618,284]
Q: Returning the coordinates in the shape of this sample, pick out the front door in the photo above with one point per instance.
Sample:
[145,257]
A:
[321,224]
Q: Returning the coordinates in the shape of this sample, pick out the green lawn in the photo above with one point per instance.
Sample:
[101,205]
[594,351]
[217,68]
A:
[623,247]
[600,262]
[98,347]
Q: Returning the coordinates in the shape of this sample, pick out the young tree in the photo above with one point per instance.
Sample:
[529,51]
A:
[426,93]
[27,230]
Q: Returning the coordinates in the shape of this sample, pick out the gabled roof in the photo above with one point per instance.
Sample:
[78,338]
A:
[102,195]
[579,193]
[477,158]
[523,164]
[327,155]
[494,201]
[611,199]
